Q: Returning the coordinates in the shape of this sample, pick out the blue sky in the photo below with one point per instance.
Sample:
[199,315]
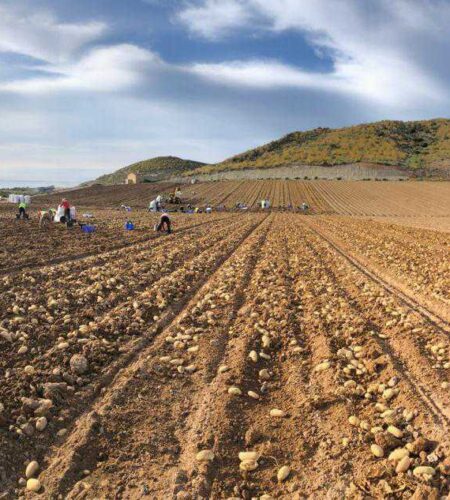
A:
[89,86]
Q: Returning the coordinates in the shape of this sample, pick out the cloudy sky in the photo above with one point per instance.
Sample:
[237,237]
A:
[89,86]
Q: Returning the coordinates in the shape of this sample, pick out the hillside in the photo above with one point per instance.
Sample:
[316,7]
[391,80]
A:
[155,169]
[421,148]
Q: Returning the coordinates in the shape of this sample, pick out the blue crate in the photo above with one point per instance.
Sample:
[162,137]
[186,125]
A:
[87,228]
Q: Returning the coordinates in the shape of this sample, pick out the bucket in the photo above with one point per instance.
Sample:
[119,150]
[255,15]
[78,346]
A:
[129,226]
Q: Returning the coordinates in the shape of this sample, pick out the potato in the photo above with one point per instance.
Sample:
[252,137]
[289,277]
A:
[253,355]
[395,431]
[424,470]
[403,465]
[33,485]
[398,454]
[354,420]
[31,469]
[248,465]
[377,450]
[248,455]
[283,473]
[205,456]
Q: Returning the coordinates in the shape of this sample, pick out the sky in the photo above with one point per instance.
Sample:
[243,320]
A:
[87,87]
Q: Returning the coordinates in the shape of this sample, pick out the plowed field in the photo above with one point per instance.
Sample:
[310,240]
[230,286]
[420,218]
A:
[382,199]
[245,356]
[408,199]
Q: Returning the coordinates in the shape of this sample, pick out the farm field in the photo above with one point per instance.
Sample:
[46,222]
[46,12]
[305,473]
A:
[436,223]
[25,245]
[246,355]
[376,199]
[98,196]
[407,199]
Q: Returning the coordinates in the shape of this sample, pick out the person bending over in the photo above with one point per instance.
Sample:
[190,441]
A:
[46,217]
[23,210]
[164,223]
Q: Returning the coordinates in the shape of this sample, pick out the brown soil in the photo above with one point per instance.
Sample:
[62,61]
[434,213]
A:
[365,198]
[190,341]
[138,195]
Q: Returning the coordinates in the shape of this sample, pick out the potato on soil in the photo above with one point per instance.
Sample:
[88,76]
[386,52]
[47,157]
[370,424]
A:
[205,456]
[283,473]
[33,485]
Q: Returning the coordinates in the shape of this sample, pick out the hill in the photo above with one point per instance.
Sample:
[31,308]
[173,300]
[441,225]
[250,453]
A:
[154,169]
[421,148]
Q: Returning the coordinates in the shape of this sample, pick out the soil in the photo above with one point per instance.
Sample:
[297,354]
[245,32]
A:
[313,341]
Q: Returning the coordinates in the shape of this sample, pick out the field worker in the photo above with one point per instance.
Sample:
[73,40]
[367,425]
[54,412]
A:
[158,202]
[164,222]
[153,206]
[46,217]
[22,210]
[66,206]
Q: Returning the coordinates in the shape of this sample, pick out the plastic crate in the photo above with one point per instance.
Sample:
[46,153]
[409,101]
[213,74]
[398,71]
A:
[87,228]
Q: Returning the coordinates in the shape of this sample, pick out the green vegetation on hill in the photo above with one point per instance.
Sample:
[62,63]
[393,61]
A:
[421,147]
[155,169]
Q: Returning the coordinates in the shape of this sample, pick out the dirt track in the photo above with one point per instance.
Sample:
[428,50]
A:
[192,341]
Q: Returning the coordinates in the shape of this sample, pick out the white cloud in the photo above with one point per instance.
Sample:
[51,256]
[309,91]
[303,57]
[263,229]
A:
[215,18]
[262,74]
[69,60]
[374,48]
[377,83]
[40,35]
[102,69]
